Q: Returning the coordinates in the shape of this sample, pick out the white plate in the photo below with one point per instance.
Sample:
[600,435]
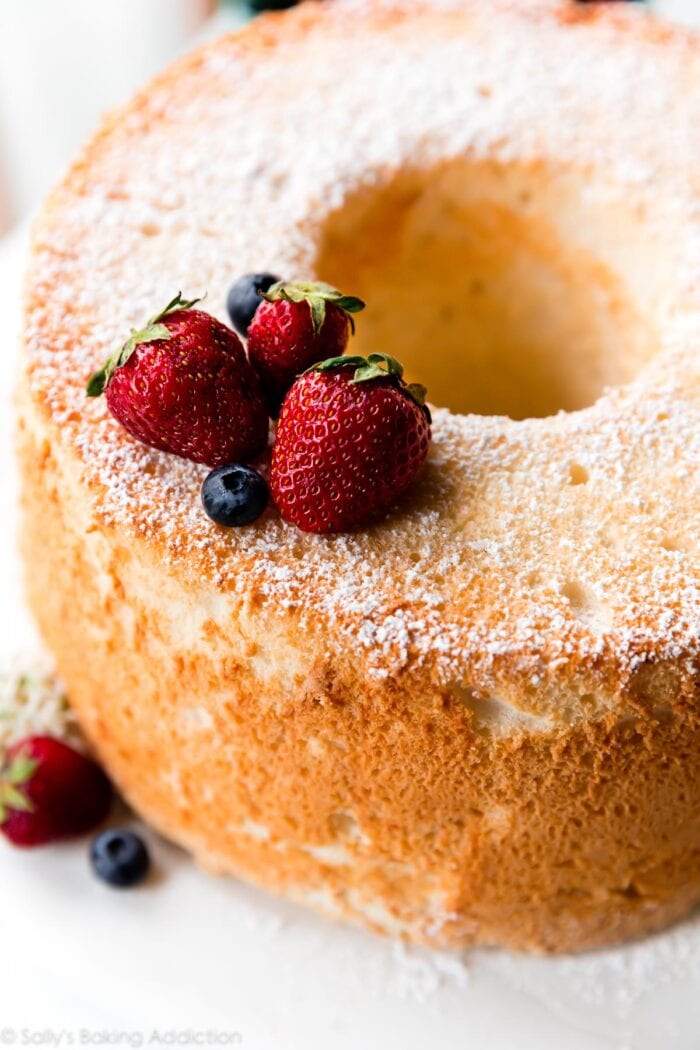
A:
[194,960]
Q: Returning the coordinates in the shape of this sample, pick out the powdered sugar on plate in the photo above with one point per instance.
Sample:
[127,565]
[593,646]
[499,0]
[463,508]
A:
[33,702]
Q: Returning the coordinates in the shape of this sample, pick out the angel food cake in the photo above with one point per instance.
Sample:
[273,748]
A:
[474,718]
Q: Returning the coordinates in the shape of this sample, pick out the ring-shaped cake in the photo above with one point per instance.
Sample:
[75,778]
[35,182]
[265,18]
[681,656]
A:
[477,720]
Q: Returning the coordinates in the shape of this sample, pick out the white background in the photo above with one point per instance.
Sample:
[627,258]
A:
[65,62]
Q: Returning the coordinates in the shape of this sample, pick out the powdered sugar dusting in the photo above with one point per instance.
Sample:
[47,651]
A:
[32,702]
[492,563]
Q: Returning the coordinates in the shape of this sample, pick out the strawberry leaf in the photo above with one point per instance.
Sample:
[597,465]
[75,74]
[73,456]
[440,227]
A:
[376,366]
[418,393]
[177,303]
[350,304]
[20,769]
[318,313]
[12,798]
[13,774]
[318,295]
[153,331]
[337,362]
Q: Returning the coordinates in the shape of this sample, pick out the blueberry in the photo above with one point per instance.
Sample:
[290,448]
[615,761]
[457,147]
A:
[234,495]
[119,857]
[271,5]
[243,299]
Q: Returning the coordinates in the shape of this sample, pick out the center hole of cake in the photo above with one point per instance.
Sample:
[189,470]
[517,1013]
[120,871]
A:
[506,290]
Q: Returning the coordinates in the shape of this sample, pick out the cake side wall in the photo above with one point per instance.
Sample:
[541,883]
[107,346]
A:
[378,802]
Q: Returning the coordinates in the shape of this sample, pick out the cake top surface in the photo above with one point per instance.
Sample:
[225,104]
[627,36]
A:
[530,547]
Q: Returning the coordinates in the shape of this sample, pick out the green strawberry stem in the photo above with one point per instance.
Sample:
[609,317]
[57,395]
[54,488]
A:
[376,366]
[12,775]
[318,295]
[154,329]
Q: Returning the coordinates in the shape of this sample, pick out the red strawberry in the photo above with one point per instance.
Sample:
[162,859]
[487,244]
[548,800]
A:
[183,385]
[296,326]
[49,791]
[350,438]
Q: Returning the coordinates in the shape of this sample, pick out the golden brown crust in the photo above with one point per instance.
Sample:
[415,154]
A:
[384,807]
[474,722]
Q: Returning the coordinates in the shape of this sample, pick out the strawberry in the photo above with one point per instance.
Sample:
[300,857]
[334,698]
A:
[182,384]
[352,435]
[297,325]
[49,791]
